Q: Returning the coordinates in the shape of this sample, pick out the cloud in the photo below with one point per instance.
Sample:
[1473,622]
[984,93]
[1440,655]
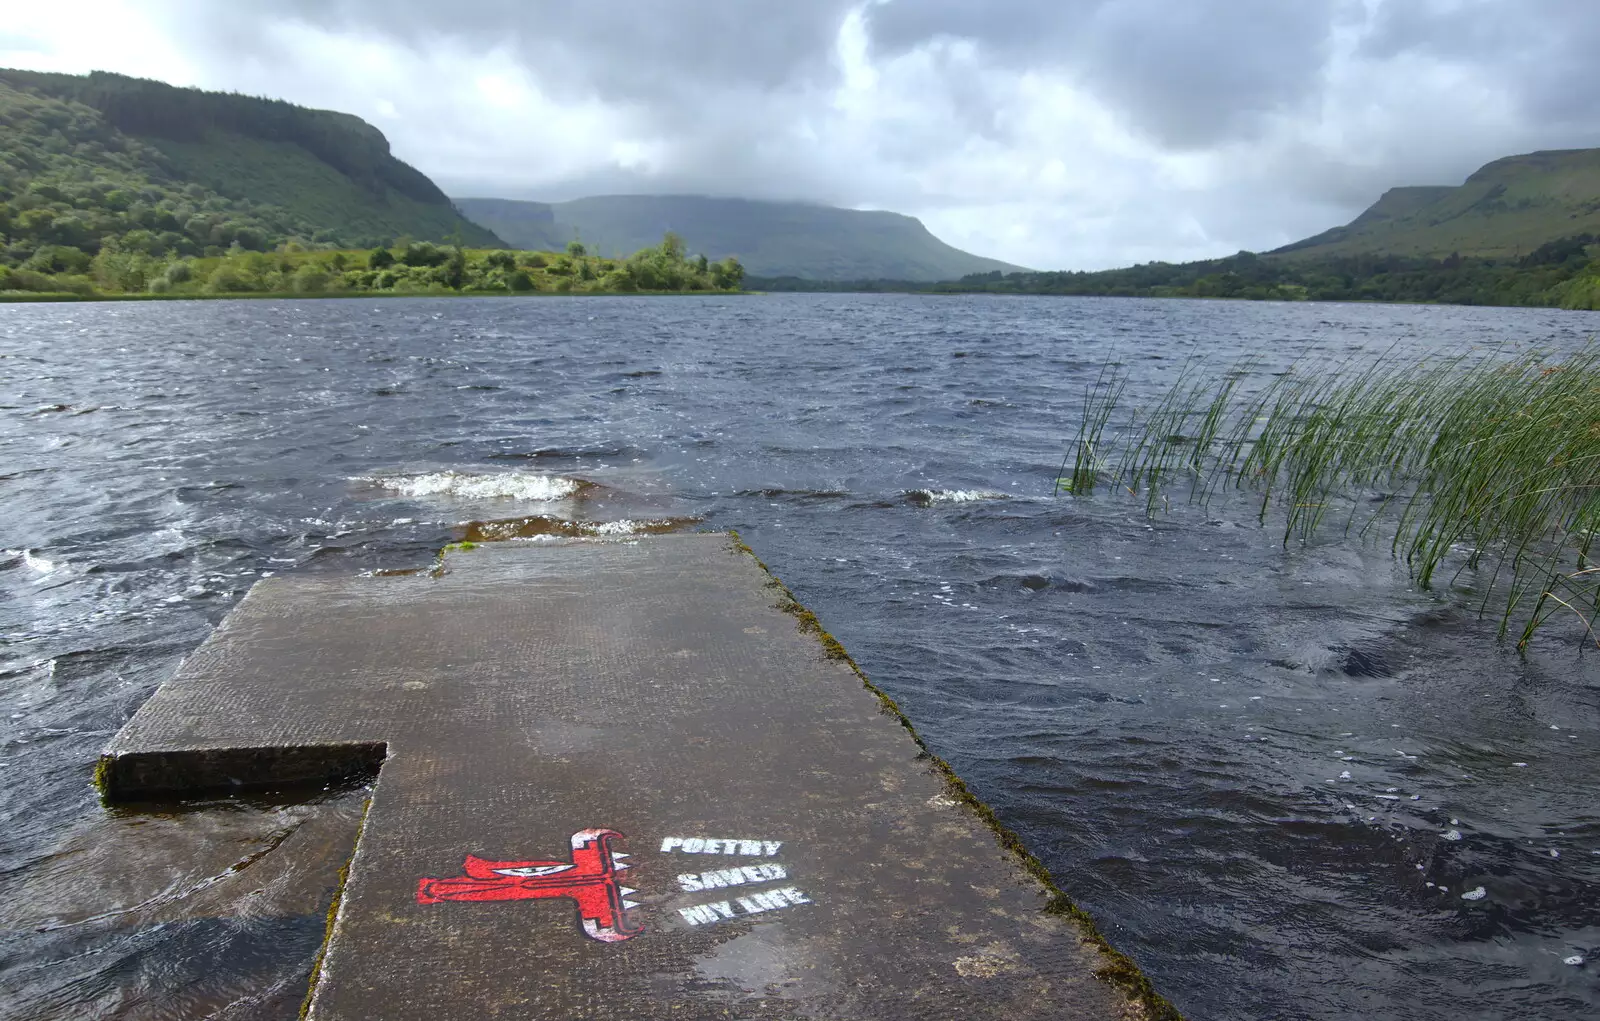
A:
[1541,52]
[1189,73]
[673,55]
[1053,133]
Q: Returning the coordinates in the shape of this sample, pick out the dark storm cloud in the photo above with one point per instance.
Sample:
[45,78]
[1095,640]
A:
[1189,73]
[1543,53]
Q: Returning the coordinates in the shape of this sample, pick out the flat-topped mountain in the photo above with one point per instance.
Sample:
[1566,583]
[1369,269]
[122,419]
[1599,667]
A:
[108,155]
[771,239]
[1509,207]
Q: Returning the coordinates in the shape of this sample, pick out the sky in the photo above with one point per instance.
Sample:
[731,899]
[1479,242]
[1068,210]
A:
[1054,134]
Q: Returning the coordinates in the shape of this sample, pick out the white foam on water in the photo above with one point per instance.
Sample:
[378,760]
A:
[959,495]
[1478,893]
[528,486]
[43,565]
[623,527]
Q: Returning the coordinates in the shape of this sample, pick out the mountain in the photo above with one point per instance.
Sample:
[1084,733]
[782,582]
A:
[530,226]
[110,155]
[1508,208]
[1521,231]
[771,239]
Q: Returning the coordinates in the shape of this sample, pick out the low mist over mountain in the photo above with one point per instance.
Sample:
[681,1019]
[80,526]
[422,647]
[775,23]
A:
[771,239]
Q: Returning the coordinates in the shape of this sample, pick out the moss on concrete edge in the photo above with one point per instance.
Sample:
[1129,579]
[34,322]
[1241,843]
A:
[333,914]
[102,778]
[1119,969]
[438,570]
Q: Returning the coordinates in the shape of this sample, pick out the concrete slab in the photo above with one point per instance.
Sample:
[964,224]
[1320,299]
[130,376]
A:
[617,781]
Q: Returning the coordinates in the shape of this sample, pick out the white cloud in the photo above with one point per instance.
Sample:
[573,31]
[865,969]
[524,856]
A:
[94,35]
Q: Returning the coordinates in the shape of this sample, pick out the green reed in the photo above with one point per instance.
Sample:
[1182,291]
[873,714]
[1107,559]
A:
[1480,464]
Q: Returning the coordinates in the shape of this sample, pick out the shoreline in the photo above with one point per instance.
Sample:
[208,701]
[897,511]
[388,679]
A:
[64,297]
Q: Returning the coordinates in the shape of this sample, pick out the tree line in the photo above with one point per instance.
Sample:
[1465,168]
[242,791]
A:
[411,267]
[1564,273]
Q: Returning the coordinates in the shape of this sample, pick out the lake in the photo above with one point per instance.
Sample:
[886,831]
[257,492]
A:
[1270,772]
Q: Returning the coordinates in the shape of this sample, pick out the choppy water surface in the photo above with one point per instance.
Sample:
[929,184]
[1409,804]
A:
[1278,777]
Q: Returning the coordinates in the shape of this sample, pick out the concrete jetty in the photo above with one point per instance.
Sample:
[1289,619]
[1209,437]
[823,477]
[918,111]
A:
[613,780]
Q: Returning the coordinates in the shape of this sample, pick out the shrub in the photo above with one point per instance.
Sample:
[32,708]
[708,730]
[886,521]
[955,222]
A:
[58,259]
[24,280]
[311,279]
[520,281]
[728,274]
[424,253]
[227,279]
[125,271]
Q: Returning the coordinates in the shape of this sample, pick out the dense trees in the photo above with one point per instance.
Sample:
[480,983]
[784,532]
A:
[1564,273]
[86,209]
[1560,273]
[138,106]
[117,167]
[417,267]
[80,200]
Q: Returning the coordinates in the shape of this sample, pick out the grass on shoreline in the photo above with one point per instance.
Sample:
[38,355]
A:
[1479,465]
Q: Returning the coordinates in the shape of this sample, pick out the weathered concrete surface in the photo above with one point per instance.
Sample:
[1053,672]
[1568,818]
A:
[536,694]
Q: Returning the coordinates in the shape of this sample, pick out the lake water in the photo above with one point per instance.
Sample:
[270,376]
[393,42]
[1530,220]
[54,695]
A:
[1271,773]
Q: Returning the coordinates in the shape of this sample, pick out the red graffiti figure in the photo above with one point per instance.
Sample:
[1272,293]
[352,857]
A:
[590,879]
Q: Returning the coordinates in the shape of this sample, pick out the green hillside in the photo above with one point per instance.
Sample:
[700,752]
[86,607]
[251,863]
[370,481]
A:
[771,239]
[1524,230]
[1508,208]
[103,161]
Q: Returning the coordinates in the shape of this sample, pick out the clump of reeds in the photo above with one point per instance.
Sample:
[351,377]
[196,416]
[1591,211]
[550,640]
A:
[1480,464]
